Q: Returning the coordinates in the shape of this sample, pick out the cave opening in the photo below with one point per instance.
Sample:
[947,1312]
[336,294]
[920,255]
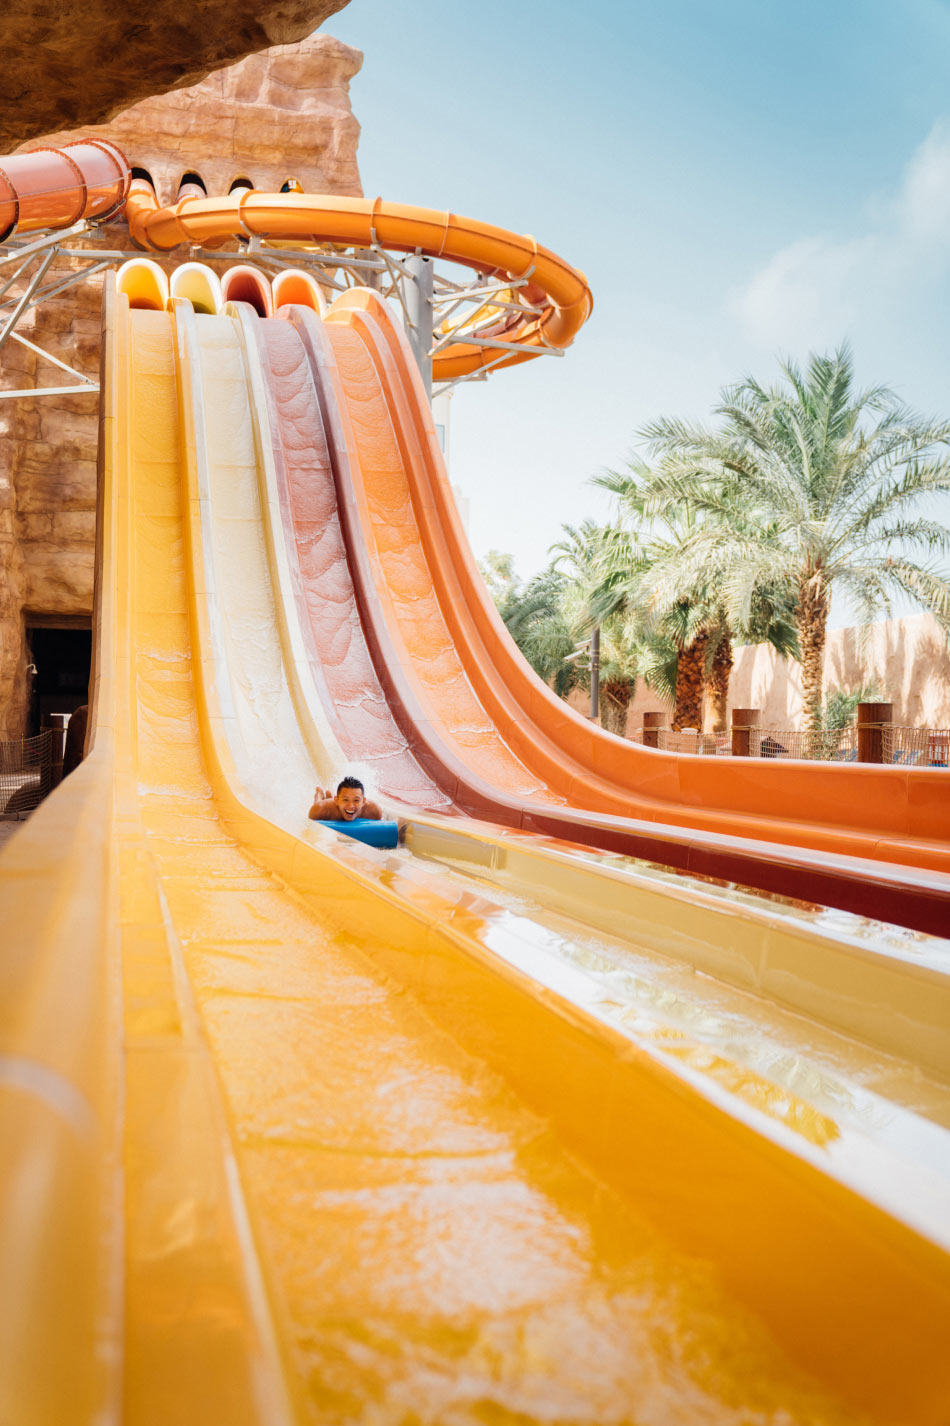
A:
[60,659]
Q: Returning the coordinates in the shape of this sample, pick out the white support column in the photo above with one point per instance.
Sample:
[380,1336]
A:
[418,292]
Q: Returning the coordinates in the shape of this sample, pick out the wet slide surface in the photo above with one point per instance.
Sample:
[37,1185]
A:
[337,656]
[428,1244]
[520,1192]
[246,1176]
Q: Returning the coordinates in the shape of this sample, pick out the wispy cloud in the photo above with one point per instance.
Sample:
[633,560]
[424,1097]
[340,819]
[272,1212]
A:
[818,288]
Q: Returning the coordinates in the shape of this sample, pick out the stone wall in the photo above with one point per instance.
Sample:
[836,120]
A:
[282,114]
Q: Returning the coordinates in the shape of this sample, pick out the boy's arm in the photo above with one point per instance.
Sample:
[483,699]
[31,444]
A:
[324,809]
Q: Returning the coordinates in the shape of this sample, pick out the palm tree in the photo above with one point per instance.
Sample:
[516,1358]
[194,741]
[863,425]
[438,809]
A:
[549,614]
[619,591]
[534,614]
[582,555]
[677,598]
[831,483]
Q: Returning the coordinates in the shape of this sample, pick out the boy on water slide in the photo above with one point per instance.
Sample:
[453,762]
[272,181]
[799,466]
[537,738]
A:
[348,804]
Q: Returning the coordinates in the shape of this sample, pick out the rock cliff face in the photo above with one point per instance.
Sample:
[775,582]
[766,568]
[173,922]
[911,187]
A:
[282,114]
[277,115]
[82,61]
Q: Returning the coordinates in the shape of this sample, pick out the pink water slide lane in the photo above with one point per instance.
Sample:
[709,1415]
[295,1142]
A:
[340,663]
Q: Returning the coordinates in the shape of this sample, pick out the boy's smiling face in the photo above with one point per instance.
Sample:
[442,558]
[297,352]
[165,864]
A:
[350,802]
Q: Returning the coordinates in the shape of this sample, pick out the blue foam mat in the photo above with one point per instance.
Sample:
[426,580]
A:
[368,830]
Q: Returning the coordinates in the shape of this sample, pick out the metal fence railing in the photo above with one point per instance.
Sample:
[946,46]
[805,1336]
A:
[917,747]
[26,771]
[708,744]
[837,745]
[912,747]
[825,745]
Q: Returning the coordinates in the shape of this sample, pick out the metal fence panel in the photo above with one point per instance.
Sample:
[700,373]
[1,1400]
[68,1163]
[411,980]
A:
[26,767]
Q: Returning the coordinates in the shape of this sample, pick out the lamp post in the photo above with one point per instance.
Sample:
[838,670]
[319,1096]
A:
[590,649]
[595,672]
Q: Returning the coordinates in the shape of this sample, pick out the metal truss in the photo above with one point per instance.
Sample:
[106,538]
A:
[476,311]
[34,259]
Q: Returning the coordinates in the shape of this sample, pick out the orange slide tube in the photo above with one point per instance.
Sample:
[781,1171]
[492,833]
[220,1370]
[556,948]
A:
[559,290]
[55,188]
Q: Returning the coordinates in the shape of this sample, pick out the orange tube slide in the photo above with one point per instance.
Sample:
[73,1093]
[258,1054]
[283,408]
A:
[504,748]
[559,289]
[55,188]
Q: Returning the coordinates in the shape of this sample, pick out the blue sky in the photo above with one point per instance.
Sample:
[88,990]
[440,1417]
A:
[737,179]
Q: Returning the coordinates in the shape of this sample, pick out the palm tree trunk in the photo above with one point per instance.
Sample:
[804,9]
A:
[719,683]
[812,618]
[615,695]
[690,685]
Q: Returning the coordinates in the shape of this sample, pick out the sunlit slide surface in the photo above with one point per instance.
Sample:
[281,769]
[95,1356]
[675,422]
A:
[485,1129]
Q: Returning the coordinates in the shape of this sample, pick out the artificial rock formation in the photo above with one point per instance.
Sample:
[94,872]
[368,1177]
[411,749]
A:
[285,113]
[82,61]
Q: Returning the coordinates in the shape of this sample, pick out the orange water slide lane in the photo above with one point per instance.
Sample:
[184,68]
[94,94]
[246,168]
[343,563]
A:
[418,557]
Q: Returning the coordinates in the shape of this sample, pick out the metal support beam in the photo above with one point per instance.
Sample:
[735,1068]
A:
[48,356]
[24,300]
[11,251]
[419,313]
[33,392]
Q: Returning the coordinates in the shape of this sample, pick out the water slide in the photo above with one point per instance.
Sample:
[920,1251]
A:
[882,834]
[248,1177]
[632,1148]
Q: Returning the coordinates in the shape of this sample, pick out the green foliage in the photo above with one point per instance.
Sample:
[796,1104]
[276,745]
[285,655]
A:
[498,572]
[810,480]
[736,533]
[801,486]
[550,614]
[841,705]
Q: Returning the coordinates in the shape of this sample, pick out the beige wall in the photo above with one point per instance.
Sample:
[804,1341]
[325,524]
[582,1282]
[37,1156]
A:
[907,658]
